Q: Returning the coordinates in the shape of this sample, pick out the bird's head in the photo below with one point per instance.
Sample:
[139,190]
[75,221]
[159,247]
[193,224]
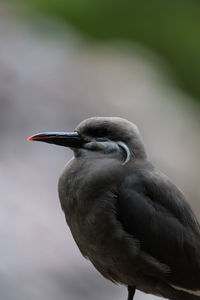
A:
[106,135]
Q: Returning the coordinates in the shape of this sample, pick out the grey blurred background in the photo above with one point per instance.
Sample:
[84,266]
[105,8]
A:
[52,76]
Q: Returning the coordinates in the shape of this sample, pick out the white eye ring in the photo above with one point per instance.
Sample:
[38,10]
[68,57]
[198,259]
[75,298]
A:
[126,150]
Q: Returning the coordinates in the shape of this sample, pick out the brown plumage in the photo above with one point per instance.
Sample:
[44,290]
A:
[127,218]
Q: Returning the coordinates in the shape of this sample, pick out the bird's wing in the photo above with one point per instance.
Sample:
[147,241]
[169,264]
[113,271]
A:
[154,211]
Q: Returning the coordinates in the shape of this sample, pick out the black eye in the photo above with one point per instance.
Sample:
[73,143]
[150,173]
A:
[101,132]
[97,132]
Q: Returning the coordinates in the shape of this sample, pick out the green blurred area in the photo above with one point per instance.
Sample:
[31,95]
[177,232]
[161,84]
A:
[170,28]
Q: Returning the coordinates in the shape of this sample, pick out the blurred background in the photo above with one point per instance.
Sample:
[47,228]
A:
[64,61]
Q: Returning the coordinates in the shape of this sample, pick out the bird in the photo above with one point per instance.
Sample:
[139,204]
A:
[125,216]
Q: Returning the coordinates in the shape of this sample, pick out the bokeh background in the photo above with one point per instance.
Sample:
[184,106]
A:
[61,62]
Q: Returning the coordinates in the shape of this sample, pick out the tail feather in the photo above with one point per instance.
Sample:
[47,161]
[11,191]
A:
[176,293]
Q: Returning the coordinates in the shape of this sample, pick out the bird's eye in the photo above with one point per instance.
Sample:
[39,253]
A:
[101,132]
[96,132]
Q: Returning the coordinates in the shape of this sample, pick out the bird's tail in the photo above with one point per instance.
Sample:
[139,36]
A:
[174,293]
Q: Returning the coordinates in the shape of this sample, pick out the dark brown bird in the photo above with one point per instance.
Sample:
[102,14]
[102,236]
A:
[127,218]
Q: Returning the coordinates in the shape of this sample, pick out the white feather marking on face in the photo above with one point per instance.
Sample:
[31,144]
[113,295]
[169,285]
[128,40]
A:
[126,150]
[108,146]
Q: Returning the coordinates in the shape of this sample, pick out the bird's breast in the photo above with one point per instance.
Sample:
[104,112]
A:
[88,195]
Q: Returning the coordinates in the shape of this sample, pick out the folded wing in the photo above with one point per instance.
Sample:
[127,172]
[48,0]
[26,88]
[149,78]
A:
[154,211]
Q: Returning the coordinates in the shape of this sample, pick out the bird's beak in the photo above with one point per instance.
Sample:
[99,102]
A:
[66,139]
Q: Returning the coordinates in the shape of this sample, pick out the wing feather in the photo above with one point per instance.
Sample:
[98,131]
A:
[155,212]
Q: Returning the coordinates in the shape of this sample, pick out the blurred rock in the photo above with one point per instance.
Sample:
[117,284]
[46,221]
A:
[52,84]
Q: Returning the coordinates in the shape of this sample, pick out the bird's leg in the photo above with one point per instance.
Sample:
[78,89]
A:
[131,292]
